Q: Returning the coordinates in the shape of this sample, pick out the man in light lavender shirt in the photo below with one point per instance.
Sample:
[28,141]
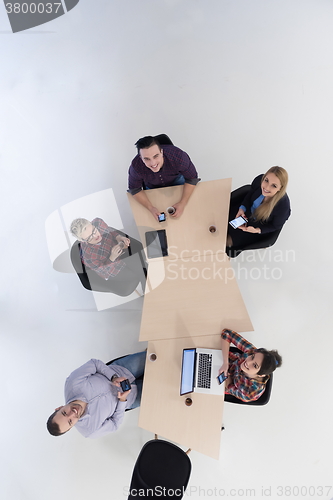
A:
[95,403]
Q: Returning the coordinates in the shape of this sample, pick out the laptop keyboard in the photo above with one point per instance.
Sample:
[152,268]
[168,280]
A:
[204,371]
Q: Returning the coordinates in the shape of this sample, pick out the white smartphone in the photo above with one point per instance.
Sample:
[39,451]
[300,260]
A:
[239,221]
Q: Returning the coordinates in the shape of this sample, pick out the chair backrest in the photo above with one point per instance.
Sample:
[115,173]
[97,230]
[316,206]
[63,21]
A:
[115,359]
[79,266]
[239,194]
[264,398]
[160,465]
[163,139]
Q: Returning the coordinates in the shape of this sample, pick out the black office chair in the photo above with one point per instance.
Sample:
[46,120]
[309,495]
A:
[116,359]
[238,195]
[160,465]
[79,266]
[264,398]
[93,281]
[266,240]
[163,139]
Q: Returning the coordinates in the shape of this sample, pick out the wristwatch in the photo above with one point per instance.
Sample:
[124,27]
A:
[113,378]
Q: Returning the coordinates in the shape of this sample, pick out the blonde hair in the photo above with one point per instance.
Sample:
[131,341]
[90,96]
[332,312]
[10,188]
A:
[263,212]
[77,227]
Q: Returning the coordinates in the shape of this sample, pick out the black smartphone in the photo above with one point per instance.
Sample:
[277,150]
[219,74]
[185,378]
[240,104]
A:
[161,217]
[125,385]
[221,378]
[157,245]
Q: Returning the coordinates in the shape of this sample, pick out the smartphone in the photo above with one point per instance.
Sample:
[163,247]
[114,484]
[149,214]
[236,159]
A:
[161,217]
[221,378]
[156,242]
[235,223]
[125,385]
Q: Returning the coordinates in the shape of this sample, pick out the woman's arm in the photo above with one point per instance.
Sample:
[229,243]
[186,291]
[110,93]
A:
[235,338]
[228,337]
[225,345]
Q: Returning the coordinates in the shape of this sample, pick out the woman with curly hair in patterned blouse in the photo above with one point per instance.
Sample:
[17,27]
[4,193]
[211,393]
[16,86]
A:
[248,371]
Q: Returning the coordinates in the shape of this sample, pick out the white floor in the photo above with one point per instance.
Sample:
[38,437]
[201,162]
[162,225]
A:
[241,85]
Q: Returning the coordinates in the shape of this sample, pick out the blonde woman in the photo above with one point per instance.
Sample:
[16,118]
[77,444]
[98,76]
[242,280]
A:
[266,208]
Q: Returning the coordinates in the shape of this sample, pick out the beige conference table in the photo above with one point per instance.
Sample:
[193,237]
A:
[163,410]
[188,299]
[193,291]
[208,205]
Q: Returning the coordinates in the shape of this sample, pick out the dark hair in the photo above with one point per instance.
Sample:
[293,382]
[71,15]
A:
[147,142]
[53,427]
[271,361]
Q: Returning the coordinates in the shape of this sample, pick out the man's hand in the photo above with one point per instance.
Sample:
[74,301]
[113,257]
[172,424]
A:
[116,381]
[122,396]
[155,213]
[250,229]
[179,209]
[142,198]
[187,191]
[126,241]
[115,253]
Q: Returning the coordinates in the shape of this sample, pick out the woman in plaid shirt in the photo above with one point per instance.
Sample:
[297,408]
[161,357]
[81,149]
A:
[248,371]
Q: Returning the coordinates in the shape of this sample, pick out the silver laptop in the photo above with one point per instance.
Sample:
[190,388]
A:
[200,368]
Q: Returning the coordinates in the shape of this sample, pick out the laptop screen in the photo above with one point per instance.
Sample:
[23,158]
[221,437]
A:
[188,365]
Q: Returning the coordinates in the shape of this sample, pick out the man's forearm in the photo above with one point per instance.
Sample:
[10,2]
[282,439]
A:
[187,192]
[141,197]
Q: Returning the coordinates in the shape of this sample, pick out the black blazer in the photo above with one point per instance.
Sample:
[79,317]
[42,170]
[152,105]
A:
[278,217]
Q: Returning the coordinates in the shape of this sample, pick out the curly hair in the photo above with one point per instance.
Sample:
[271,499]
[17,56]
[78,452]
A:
[271,361]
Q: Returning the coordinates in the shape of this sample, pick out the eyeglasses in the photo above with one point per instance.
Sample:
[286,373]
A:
[86,240]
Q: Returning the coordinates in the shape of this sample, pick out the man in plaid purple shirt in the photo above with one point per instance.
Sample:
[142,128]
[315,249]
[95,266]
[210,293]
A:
[154,167]
[105,250]
[248,371]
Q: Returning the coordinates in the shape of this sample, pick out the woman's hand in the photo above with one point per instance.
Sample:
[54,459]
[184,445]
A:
[126,241]
[115,253]
[250,229]
[224,368]
[241,213]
